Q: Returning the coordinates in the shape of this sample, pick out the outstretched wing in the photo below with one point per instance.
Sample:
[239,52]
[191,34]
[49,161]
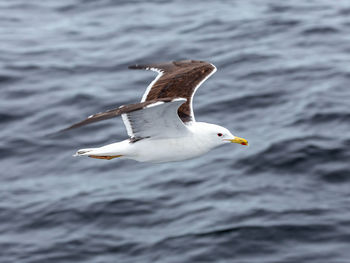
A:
[177,79]
[157,118]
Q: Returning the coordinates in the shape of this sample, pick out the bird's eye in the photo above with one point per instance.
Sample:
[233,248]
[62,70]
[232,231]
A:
[220,134]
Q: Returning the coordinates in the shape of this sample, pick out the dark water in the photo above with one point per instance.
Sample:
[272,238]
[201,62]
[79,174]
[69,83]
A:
[282,82]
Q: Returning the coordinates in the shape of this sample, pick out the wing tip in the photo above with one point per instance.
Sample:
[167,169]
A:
[74,126]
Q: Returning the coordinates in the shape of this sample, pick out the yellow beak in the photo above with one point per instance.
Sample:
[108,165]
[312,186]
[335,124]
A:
[238,140]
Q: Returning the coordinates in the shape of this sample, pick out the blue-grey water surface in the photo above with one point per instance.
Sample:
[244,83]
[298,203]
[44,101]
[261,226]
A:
[282,82]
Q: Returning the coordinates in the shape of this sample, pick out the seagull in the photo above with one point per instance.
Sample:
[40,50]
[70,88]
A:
[162,127]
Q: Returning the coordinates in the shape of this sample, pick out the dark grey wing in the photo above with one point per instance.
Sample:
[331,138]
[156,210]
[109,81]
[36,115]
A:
[177,79]
[145,119]
[112,113]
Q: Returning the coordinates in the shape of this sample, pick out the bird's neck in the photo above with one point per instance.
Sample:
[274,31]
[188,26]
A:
[202,135]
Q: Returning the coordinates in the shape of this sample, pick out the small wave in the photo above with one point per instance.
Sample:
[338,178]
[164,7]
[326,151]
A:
[300,72]
[283,23]
[28,67]
[177,184]
[79,99]
[282,231]
[248,102]
[275,8]
[8,78]
[296,155]
[336,176]
[98,212]
[253,57]
[324,117]
[326,30]
[345,11]
[8,117]
[245,241]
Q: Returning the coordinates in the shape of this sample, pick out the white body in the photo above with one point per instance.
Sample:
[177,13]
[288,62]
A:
[201,138]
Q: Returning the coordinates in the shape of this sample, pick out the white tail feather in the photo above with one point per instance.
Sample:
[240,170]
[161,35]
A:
[84,151]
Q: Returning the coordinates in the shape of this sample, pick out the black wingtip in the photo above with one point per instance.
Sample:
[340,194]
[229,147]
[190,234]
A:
[66,129]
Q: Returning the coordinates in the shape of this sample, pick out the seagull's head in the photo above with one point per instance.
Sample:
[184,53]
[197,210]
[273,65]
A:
[218,135]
